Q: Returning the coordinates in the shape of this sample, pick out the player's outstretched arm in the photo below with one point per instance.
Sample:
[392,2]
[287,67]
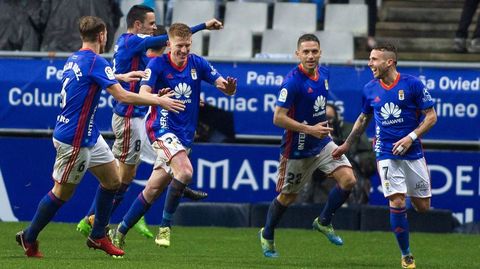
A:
[358,129]
[130,76]
[130,98]
[228,86]
[401,146]
[165,97]
[281,119]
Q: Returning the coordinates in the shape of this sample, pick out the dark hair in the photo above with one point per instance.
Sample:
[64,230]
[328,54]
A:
[389,48]
[90,27]
[161,30]
[180,30]
[137,13]
[307,37]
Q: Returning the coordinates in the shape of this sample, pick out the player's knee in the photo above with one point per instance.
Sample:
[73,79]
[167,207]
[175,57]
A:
[185,176]
[421,207]
[286,199]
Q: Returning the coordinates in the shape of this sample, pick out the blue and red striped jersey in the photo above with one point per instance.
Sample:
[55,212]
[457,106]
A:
[306,99]
[85,74]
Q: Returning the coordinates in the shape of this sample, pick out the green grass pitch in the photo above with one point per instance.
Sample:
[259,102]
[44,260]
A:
[214,247]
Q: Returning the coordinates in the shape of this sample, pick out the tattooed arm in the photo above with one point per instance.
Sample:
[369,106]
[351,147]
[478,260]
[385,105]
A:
[358,128]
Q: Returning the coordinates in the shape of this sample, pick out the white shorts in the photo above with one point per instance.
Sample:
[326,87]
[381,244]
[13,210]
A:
[294,173]
[409,177]
[130,134]
[167,146]
[71,163]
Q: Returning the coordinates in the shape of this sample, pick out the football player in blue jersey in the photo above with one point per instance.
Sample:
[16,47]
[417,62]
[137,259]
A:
[306,144]
[171,134]
[394,100]
[127,121]
[78,142]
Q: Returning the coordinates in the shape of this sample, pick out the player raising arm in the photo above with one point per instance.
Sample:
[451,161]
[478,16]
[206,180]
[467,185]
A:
[78,142]
[393,100]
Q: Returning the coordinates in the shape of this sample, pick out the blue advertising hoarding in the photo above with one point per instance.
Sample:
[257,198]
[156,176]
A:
[29,96]
[229,173]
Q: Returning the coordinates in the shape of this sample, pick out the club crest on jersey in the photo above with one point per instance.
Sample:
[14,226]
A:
[401,95]
[326,84]
[193,72]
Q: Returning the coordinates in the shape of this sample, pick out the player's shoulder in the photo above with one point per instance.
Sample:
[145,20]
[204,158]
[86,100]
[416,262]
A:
[324,71]
[409,78]
[293,74]
[192,57]
[411,81]
[371,84]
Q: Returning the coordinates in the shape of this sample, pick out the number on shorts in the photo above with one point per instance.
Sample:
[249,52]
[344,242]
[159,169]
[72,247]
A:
[138,145]
[81,167]
[294,179]
[385,172]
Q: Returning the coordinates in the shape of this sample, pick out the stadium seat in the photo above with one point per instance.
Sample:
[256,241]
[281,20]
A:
[193,12]
[159,11]
[197,44]
[295,17]
[279,43]
[250,16]
[336,46]
[231,42]
[347,18]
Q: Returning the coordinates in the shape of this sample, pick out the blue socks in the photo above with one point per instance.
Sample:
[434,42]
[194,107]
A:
[275,212]
[103,209]
[46,210]
[116,201]
[119,196]
[136,211]
[399,224]
[336,198]
[174,194]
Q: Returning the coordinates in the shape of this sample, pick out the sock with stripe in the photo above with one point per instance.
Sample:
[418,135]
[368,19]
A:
[275,213]
[174,194]
[136,211]
[336,198]
[399,225]
[103,209]
[46,210]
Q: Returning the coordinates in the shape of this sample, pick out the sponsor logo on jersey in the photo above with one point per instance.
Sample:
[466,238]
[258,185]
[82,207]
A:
[319,106]
[163,119]
[377,99]
[310,90]
[387,111]
[193,72]
[183,89]
[169,76]
[401,95]
[283,95]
